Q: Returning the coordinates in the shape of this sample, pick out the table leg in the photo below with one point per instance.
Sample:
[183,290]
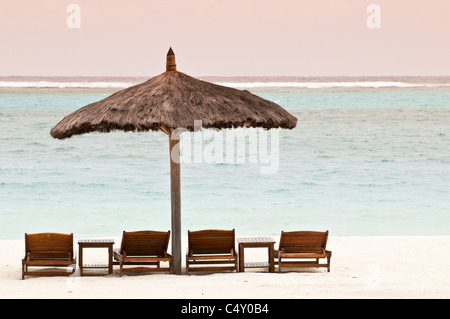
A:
[110,252]
[241,258]
[80,259]
[271,258]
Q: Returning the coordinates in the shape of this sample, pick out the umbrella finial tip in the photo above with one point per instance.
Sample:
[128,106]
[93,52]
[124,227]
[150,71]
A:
[171,65]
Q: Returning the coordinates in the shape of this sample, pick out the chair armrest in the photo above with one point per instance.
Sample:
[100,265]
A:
[328,252]
[278,253]
[117,255]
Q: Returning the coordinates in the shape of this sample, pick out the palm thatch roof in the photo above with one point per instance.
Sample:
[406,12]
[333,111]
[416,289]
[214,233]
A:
[174,100]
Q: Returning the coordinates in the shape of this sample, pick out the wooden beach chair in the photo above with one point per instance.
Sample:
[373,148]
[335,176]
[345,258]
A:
[143,248]
[211,247]
[297,246]
[48,250]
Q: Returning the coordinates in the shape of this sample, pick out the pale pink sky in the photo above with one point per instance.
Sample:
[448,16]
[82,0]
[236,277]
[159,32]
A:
[225,37]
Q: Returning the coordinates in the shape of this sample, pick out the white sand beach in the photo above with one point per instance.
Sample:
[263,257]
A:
[361,267]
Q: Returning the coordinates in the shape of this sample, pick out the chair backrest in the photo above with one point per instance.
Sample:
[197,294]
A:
[303,241]
[145,243]
[49,245]
[211,241]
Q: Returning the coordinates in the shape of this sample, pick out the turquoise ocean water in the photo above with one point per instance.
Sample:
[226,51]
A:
[368,157]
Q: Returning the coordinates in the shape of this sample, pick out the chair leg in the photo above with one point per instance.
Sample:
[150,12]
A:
[328,263]
[121,268]
[279,263]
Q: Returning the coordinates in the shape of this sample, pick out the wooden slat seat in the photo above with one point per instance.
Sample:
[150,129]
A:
[297,245]
[48,250]
[144,248]
[211,247]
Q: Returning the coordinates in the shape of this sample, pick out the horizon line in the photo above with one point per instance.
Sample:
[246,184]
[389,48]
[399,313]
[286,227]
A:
[227,76]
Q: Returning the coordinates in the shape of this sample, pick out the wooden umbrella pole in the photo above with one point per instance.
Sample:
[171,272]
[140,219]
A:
[175,193]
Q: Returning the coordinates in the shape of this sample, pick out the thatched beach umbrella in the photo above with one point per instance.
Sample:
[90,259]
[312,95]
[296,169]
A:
[170,101]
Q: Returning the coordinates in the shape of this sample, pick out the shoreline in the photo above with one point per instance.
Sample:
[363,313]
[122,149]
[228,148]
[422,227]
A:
[361,267]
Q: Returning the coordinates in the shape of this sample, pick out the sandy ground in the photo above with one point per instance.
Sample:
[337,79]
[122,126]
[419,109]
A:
[361,267]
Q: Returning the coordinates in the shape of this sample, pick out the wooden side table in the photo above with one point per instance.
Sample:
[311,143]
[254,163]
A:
[256,242]
[95,243]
